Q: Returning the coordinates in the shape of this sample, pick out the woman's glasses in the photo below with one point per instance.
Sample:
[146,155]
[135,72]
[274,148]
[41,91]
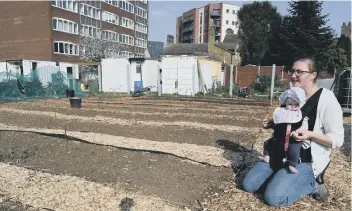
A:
[298,72]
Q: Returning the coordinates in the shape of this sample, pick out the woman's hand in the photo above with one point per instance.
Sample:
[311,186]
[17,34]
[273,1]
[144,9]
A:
[301,135]
[267,123]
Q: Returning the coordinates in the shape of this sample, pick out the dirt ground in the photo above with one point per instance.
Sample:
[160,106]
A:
[162,179]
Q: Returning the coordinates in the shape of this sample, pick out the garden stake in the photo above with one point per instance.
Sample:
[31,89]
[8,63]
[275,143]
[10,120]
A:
[65,131]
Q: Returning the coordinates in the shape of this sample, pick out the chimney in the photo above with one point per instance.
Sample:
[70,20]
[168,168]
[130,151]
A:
[211,34]
[169,40]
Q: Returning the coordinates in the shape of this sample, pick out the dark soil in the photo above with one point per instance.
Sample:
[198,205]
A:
[244,121]
[151,174]
[167,133]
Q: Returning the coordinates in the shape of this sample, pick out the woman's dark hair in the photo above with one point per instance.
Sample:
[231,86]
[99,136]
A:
[312,66]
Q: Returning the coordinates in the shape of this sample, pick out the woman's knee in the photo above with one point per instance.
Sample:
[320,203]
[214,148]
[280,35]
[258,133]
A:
[276,199]
[256,177]
[249,185]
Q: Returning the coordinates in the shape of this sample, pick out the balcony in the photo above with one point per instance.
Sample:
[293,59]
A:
[188,19]
[188,29]
[187,38]
[215,13]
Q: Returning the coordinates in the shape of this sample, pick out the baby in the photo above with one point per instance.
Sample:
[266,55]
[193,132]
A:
[281,148]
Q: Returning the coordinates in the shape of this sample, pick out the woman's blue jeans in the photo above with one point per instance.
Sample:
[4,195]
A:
[281,188]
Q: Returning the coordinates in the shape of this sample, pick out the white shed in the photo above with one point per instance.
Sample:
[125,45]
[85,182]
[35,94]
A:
[182,75]
[118,73]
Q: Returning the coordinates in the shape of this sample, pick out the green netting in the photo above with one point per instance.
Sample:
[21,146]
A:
[44,82]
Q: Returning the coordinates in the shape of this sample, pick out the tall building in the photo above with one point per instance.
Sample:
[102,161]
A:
[346,29]
[52,30]
[155,49]
[193,25]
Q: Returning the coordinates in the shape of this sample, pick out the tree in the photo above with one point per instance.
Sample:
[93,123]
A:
[94,49]
[304,34]
[256,22]
[344,43]
[333,59]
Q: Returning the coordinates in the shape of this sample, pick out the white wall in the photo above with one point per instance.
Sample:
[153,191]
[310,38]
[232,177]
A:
[207,76]
[228,17]
[2,67]
[134,75]
[201,24]
[27,67]
[114,74]
[150,74]
[9,68]
[179,69]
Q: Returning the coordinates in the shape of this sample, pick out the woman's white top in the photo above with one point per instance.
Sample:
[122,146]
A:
[329,121]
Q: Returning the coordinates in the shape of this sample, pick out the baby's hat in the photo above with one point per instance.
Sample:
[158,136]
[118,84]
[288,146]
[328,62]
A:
[295,93]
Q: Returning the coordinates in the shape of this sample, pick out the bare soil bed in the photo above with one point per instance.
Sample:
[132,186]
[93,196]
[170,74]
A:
[224,129]
[162,134]
[244,119]
[147,173]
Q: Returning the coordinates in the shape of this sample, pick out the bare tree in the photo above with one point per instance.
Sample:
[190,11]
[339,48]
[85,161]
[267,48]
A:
[94,49]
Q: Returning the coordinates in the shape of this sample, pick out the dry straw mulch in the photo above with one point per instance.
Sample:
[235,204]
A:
[117,121]
[337,179]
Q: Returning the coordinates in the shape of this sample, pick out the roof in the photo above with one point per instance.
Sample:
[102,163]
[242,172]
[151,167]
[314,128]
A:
[231,38]
[226,46]
[186,48]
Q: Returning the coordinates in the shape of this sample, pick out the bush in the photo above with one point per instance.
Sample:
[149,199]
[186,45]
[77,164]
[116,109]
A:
[263,83]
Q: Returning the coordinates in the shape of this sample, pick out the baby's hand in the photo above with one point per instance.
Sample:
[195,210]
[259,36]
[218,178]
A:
[266,124]
[265,158]
[301,135]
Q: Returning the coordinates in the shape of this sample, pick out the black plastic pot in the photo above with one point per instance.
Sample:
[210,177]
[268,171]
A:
[75,102]
[70,93]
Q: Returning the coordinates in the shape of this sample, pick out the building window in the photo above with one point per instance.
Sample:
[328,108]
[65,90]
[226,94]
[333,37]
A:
[227,11]
[70,5]
[90,31]
[126,6]
[141,28]
[201,17]
[141,43]
[110,17]
[233,23]
[141,12]
[112,2]
[126,39]
[227,22]
[90,11]
[126,54]
[110,36]
[66,48]
[63,25]
[138,67]
[127,23]
[234,12]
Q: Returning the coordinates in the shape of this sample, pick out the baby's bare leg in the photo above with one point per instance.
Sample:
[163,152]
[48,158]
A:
[292,169]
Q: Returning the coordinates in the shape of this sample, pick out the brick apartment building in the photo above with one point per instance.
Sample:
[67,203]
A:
[51,30]
[193,25]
